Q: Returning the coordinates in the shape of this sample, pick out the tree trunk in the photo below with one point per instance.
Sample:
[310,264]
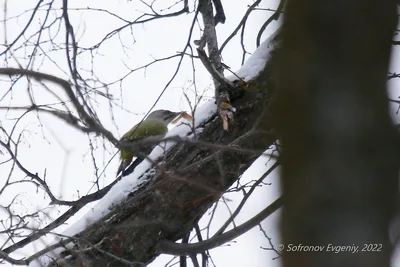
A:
[339,157]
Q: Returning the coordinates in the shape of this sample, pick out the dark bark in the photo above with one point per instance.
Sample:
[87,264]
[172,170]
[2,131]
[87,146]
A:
[338,147]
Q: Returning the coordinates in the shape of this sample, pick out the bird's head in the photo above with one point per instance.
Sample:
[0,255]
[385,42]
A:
[163,114]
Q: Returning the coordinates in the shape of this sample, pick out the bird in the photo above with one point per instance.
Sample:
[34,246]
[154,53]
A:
[156,124]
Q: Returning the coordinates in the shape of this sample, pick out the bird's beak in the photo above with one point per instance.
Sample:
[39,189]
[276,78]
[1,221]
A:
[181,115]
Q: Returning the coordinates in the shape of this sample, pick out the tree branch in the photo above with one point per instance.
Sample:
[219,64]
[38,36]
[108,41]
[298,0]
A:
[216,241]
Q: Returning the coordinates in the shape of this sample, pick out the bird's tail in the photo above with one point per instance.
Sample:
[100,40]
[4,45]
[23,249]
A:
[125,168]
[122,166]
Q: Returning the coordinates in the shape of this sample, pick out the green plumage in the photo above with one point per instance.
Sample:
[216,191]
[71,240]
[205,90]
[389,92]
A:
[156,124]
[149,127]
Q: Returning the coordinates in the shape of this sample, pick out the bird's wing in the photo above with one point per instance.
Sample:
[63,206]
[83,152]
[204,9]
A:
[149,127]
[144,129]
[129,135]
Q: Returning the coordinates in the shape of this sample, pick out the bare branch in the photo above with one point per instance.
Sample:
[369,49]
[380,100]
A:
[168,247]
[274,16]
